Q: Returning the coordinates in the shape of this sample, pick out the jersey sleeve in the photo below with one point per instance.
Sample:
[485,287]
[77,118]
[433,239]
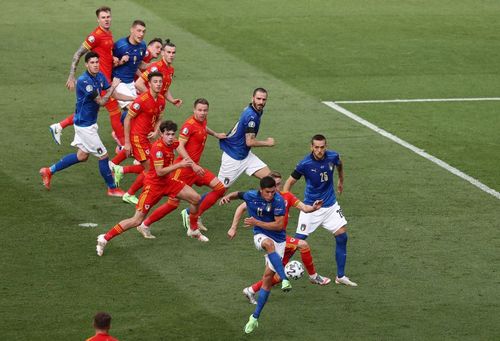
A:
[91,41]
[135,108]
[157,156]
[298,171]
[186,132]
[292,199]
[249,124]
[336,159]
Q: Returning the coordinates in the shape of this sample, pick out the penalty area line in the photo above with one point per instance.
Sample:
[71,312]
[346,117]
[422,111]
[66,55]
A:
[420,100]
[414,149]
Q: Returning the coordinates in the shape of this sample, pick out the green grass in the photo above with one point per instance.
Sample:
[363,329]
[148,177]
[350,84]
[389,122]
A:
[423,243]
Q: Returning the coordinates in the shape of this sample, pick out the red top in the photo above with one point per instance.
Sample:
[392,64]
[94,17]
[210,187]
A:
[102,337]
[147,57]
[167,72]
[163,156]
[145,111]
[194,133]
[290,200]
[101,42]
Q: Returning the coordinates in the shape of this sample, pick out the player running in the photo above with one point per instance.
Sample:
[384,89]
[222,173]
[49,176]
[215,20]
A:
[192,138]
[317,169]
[158,184]
[292,244]
[88,99]
[266,208]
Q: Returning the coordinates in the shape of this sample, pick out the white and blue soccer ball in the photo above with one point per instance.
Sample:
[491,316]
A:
[294,269]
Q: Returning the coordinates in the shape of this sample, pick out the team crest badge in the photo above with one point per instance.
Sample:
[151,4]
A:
[147,206]
[91,39]
[136,106]
[268,208]
[331,165]
[89,88]
[159,154]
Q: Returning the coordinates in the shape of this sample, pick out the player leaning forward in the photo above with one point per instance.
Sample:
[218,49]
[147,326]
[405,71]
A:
[317,169]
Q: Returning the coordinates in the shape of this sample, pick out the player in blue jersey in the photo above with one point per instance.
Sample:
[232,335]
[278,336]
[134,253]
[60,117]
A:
[88,100]
[266,208]
[237,156]
[130,52]
[317,168]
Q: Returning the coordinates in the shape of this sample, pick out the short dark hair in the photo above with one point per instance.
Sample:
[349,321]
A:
[200,101]
[318,137]
[155,40]
[138,22]
[168,125]
[267,182]
[168,42]
[91,54]
[102,9]
[102,320]
[259,90]
[155,74]
[275,175]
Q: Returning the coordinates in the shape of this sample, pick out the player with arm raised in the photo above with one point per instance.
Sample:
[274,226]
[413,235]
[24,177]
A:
[317,169]
[237,156]
[158,184]
[292,244]
[88,100]
[266,208]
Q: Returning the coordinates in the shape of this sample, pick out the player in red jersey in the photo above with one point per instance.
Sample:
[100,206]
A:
[102,324]
[100,41]
[292,244]
[165,67]
[158,184]
[155,46]
[192,139]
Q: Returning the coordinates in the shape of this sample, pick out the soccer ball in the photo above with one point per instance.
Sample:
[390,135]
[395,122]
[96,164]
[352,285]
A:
[294,269]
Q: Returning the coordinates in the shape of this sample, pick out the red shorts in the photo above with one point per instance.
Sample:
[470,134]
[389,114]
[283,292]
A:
[140,147]
[189,177]
[151,194]
[291,243]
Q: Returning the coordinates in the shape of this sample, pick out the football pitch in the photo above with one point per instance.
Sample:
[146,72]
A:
[423,243]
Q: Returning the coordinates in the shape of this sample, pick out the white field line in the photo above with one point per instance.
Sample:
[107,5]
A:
[411,147]
[421,100]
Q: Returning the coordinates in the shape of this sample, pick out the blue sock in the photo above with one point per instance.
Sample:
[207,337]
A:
[202,197]
[65,162]
[301,236]
[341,253]
[124,114]
[106,173]
[275,260]
[261,302]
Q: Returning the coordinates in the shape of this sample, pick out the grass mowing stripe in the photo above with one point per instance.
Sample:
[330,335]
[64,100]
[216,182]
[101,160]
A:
[417,150]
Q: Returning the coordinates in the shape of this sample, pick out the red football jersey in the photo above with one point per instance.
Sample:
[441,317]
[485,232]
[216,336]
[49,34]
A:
[147,57]
[101,42]
[102,337]
[145,111]
[290,200]
[194,133]
[166,71]
[163,156]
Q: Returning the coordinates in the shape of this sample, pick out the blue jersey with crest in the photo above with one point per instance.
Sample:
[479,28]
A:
[136,53]
[235,143]
[88,87]
[319,177]
[265,211]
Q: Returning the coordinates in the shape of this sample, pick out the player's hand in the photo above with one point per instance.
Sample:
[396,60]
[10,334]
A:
[70,83]
[270,142]
[124,59]
[220,136]
[177,102]
[116,61]
[340,187]
[128,148]
[198,169]
[250,222]
[115,82]
[224,200]
[231,233]
[185,163]
[153,135]
[317,204]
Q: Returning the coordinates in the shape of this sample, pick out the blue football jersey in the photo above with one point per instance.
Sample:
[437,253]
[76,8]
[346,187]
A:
[88,88]
[136,53]
[263,210]
[235,143]
[319,178]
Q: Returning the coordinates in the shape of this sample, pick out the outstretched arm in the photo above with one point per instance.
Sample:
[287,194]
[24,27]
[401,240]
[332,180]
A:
[289,184]
[251,141]
[70,83]
[231,233]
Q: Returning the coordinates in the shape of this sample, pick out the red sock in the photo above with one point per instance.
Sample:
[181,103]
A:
[256,286]
[115,115]
[211,198]
[307,259]
[276,280]
[68,121]
[116,230]
[137,185]
[193,221]
[137,169]
[161,211]
[289,252]
[122,155]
